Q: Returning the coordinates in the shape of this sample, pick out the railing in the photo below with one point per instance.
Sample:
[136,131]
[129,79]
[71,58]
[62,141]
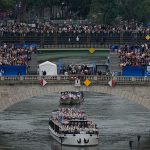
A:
[95,80]
[69,41]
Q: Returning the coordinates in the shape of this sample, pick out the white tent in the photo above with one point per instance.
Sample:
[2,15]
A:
[50,68]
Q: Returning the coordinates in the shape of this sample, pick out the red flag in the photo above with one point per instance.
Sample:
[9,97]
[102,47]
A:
[43,82]
[112,83]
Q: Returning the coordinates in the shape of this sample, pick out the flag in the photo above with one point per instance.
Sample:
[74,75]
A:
[91,50]
[112,83]
[43,82]
[147,37]
[87,82]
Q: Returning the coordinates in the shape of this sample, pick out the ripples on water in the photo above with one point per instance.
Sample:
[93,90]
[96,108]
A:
[24,126]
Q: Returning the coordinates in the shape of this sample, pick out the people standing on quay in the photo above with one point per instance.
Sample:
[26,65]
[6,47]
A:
[130,144]
[138,137]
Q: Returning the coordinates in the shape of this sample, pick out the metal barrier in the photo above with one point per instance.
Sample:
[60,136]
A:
[69,41]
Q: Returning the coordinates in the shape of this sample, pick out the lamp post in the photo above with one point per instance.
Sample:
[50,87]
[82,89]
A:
[18,11]
[62,9]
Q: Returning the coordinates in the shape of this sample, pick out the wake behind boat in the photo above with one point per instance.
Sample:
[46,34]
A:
[71,98]
[70,126]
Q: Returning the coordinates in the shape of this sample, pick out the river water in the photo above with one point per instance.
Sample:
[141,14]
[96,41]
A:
[24,126]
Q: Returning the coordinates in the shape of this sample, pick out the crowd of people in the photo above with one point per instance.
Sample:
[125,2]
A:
[73,121]
[134,55]
[70,113]
[11,55]
[68,32]
[76,69]
[70,29]
[71,95]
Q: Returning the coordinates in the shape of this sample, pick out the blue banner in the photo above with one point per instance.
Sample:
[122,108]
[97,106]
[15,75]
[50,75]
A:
[7,70]
[133,71]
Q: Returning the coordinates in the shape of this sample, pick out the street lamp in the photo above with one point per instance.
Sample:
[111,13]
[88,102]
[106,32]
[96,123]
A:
[62,8]
[18,10]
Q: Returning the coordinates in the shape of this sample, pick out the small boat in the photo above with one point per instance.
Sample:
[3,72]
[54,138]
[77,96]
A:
[71,127]
[71,98]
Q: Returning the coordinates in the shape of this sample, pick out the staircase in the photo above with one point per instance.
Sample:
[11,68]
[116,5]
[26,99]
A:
[33,65]
[114,62]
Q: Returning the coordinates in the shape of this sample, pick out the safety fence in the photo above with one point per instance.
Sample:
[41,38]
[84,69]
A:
[67,41]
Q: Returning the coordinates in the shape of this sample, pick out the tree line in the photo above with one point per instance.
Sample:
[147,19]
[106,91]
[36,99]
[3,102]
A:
[104,11]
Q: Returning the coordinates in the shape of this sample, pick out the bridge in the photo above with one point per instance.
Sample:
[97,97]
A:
[19,88]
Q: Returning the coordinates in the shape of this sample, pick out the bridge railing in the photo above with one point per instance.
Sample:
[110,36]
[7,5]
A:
[60,79]
[86,40]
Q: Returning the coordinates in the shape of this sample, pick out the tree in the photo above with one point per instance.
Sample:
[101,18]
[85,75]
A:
[106,9]
[103,11]
[135,9]
[7,4]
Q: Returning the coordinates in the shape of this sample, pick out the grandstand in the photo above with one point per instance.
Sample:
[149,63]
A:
[52,34]
[23,30]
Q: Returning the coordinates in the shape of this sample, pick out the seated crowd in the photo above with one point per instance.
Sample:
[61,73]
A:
[11,55]
[73,121]
[75,69]
[134,55]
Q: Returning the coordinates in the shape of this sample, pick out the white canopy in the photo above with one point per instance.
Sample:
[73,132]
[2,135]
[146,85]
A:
[48,67]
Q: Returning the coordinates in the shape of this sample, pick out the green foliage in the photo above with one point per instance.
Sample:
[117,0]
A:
[7,4]
[104,11]
[138,10]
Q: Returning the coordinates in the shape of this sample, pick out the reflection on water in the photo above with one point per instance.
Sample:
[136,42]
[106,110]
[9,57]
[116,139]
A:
[24,126]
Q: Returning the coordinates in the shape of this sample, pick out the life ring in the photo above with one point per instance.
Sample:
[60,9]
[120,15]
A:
[86,141]
[79,141]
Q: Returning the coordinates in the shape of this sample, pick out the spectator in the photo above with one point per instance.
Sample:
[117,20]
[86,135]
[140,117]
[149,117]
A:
[77,39]
[44,73]
[134,55]
[75,69]
[67,31]
[10,55]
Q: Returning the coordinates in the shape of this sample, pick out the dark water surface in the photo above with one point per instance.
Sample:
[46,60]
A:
[24,126]
[83,60]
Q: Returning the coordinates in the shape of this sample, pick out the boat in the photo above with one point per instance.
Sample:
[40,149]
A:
[71,98]
[70,126]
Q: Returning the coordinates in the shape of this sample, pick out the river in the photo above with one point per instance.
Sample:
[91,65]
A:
[24,126]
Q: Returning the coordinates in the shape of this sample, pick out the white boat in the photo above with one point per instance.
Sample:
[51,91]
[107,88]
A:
[73,131]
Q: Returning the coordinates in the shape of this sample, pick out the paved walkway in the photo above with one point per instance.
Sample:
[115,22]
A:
[114,62]
[32,70]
